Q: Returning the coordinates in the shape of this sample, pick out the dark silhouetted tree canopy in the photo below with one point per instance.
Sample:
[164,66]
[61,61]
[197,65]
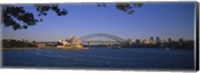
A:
[125,7]
[18,18]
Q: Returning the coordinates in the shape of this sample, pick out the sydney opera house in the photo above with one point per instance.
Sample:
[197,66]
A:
[69,43]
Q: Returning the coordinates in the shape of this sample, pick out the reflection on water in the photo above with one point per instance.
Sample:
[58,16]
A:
[135,58]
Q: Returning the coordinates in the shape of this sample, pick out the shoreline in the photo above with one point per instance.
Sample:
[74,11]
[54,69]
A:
[27,48]
[85,48]
[32,48]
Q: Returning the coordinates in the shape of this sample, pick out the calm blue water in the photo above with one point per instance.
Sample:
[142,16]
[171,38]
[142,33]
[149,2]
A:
[134,58]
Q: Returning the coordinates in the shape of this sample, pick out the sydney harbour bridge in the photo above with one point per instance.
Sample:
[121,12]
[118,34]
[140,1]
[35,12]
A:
[114,40]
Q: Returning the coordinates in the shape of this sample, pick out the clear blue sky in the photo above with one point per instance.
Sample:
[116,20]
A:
[166,20]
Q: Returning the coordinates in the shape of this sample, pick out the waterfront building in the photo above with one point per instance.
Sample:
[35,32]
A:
[69,43]
[147,42]
[130,42]
[41,45]
[137,42]
[152,41]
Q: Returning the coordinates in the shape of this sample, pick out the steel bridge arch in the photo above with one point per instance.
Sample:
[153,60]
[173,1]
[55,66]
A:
[113,37]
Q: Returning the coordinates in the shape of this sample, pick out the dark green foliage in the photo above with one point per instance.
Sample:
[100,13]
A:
[43,9]
[19,18]
[128,7]
[11,43]
[138,4]
[101,4]
[125,7]
[12,13]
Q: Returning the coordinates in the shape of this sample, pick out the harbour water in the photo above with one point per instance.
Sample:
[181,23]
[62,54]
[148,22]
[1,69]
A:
[106,58]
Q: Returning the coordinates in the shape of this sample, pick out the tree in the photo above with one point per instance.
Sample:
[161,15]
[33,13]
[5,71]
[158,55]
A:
[125,7]
[18,18]
[12,43]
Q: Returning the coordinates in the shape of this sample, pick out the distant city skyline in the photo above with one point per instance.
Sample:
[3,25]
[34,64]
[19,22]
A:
[164,20]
